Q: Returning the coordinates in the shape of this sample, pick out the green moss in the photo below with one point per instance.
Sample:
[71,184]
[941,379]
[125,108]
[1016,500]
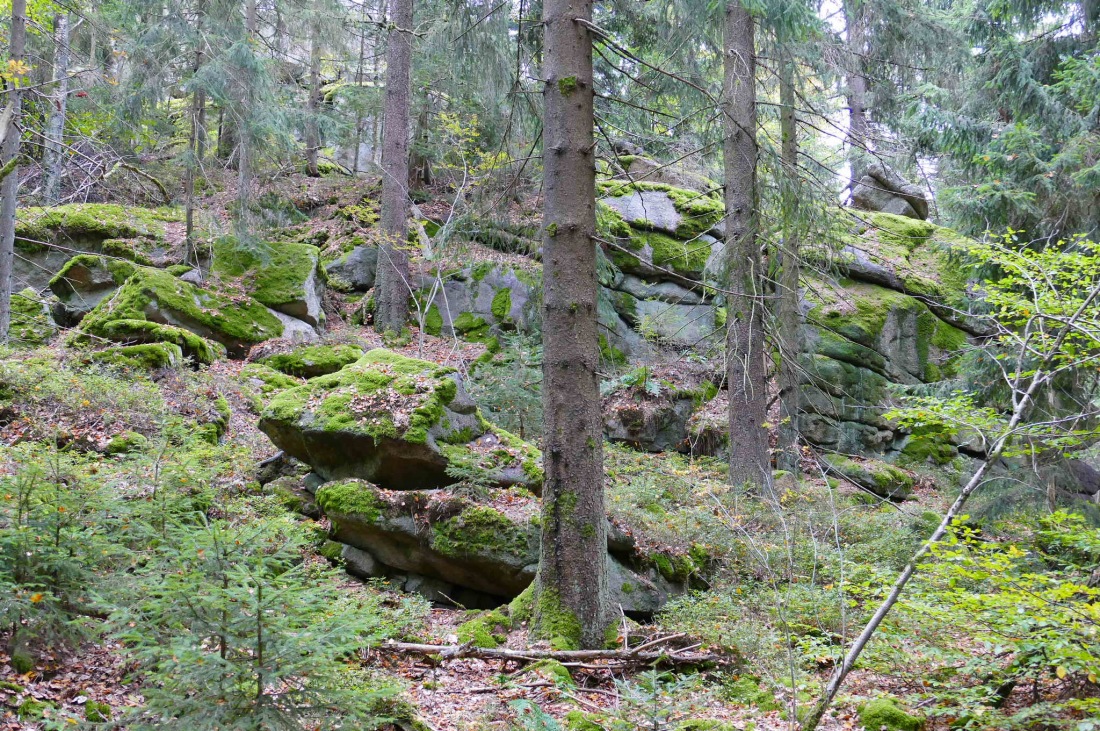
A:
[550,620]
[521,608]
[487,629]
[900,231]
[96,712]
[11,687]
[313,360]
[33,709]
[479,530]
[127,442]
[150,356]
[433,321]
[270,380]
[881,478]
[929,444]
[85,223]
[581,721]
[747,690]
[143,331]
[688,258]
[567,85]
[135,250]
[705,724]
[274,273]
[502,305]
[30,322]
[178,270]
[553,671]
[883,714]
[332,551]
[351,497]
[610,353]
[481,270]
[471,327]
[227,319]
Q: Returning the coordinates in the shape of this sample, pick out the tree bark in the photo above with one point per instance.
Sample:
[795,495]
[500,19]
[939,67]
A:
[197,145]
[392,295]
[571,587]
[244,135]
[53,158]
[745,374]
[859,128]
[788,316]
[9,154]
[313,129]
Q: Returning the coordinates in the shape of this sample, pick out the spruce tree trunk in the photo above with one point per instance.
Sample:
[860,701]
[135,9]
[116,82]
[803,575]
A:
[53,160]
[313,130]
[197,146]
[9,154]
[788,315]
[745,374]
[392,291]
[859,128]
[571,587]
[244,137]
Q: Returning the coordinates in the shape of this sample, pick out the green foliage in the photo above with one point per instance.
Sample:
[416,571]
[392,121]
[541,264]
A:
[486,629]
[507,386]
[265,648]
[883,714]
[313,360]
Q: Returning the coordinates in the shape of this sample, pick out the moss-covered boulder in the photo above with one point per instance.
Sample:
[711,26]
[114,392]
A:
[282,276]
[475,545]
[883,714]
[481,301]
[314,360]
[880,478]
[162,300]
[83,282]
[47,237]
[399,422]
[31,324]
[149,356]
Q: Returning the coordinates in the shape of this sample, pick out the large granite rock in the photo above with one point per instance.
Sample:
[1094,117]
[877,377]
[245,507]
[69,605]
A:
[154,306]
[882,190]
[282,276]
[399,422]
[482,547]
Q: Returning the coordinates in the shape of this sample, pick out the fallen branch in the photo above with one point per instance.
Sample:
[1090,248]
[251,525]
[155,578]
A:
[642,655]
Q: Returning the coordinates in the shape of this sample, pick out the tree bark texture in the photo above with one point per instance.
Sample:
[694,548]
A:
[788,317]
[244,134]
[859,128]
[53,159]
[571,589]
[9,188]
[745,373]
[392,295]
[313,103]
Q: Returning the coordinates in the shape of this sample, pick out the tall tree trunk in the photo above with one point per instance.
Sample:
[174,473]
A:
[9,155]
[244,136]
[359,86]
[571,587]
[788,319]
[313,104]
[745,374]
[859,128]
[392,295]
[54,159]
[197,145]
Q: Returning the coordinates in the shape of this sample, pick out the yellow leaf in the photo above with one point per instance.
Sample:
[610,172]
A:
[1061,672]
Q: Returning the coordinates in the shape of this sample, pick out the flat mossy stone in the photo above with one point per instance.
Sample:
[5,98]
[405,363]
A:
[195,347]
[883,714]
[266,380]
[884,480]
[486,629]
[283,276]
[313,360]
[31,324]
[127,442]
[398,422]
[83,223]
[149,356]
[88,272]
[158,297]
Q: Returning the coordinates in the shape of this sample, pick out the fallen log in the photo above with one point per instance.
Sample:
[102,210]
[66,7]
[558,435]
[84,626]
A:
[641,655]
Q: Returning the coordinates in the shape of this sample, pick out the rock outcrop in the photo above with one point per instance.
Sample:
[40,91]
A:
[398,422]
[882,190]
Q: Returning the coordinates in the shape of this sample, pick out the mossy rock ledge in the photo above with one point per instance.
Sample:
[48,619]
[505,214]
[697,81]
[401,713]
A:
[443,545]
[398,422]
[283,276]
[154,306]
[84,282]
